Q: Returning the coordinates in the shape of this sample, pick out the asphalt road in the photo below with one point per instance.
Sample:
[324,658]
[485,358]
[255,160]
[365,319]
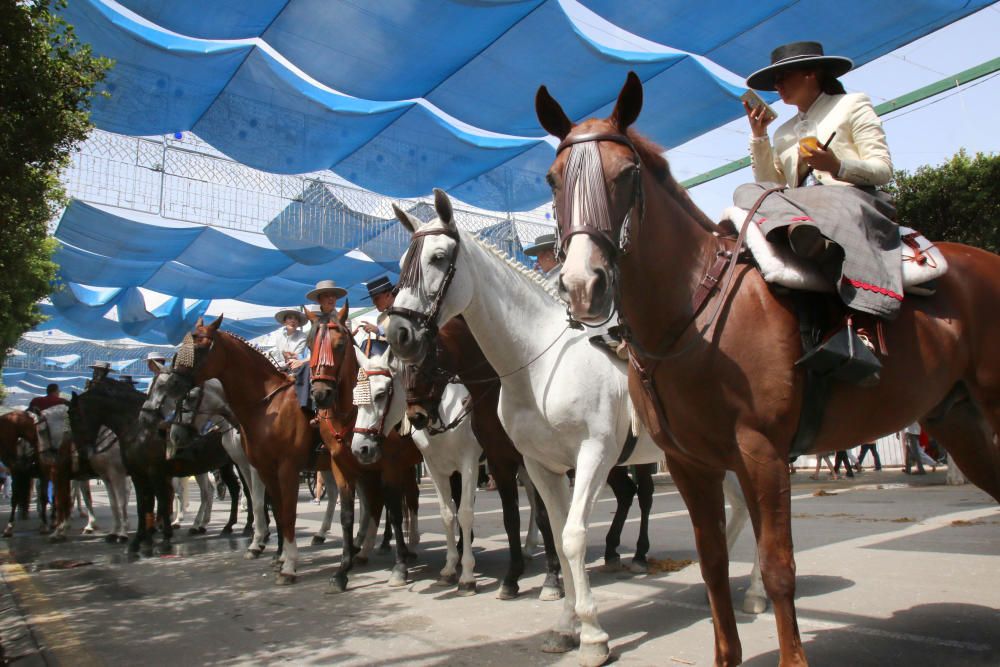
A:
[892,570]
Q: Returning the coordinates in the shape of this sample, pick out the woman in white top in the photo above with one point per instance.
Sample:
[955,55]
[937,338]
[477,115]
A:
[288,349]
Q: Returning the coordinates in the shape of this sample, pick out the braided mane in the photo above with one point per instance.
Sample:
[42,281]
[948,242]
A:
[254,347]
[532,276]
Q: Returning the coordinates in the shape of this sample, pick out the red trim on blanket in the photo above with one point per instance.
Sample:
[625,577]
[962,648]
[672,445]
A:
[873,288]
[761,221]
[801,218]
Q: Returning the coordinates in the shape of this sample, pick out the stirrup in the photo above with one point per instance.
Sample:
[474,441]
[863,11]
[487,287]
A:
[844,356]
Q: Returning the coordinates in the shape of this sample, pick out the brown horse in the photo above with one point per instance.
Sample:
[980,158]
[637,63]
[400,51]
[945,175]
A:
[21,461]
[457,353]
[725,394]
[334,365]
[276,434]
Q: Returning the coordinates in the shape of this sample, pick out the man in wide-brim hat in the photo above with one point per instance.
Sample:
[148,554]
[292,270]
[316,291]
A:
[544,252]
[381,293]
[101,370]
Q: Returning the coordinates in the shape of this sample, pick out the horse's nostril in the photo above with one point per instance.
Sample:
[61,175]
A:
[600,281]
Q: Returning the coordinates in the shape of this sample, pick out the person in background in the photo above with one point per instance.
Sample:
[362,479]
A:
[50,399]
[544,252]
[842,458]
[913,454]
[820,460]
[380,291]
[101,370]
[869,447]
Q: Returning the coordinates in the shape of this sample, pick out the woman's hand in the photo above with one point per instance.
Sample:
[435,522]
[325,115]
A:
[758,119]
[820,159]
[294,364]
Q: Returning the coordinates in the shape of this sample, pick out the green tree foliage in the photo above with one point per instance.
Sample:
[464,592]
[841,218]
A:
[47,79]
[957,201]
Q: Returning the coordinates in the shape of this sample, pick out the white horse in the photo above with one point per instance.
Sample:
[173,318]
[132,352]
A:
[381,401]
[564,402]
[83,500]
[206,491]
[105,460]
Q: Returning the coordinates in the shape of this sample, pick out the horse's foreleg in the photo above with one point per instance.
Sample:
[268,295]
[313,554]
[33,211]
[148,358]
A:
[442,488]
[594,462]
[206,492]
[164,499]
[644,488]
[505,476]
[552,587]
[289,484]
[258,496]
[88,503]
[769,486]
[755,599]
[331,503]
[553,490]
[345,489]
[968,431]
[624,489]
[394,510]
[701,490]
[232,481]
[532,536]
[466,515]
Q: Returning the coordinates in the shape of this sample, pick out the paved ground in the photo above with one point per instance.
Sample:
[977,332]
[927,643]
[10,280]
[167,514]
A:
[891,570]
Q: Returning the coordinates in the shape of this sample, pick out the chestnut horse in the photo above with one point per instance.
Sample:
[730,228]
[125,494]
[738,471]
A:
[18,447]
[277,437]
[718,386]
[334,364]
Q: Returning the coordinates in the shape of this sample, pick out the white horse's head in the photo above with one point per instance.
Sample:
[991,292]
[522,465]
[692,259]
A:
[381,402]
[53,426]
[430,291]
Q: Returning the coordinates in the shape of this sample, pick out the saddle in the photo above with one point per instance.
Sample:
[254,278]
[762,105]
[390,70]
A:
[922,261]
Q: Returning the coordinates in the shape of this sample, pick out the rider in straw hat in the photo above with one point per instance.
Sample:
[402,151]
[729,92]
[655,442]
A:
[101,370]
[325,294]
[287,347]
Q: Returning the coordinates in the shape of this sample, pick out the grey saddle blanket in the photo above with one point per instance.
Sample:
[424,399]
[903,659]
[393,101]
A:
[869,279]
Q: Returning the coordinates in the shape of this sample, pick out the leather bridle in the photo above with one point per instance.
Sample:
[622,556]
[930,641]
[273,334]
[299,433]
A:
[598,227]
[323,338]
[410,274]
[376,433]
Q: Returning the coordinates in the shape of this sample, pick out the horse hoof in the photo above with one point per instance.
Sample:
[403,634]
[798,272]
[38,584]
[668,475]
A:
[318,539]
[612,565]
[248,531]
[252,554]
[176,526]
[551,594]
[8,532]
[593,655]
[398,577]
[447,579]
[638,567]
[466,588]
[88,531]
[283,579]
[754,604]
[196,531]
[226,530]
[111,539]
[558,642]
[336,586]
[361,560]
[276,564]
[507,592]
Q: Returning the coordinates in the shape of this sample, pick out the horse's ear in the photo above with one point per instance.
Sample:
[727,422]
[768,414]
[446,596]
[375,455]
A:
[154,366]
[342,315]
[551,115]
[629,103]
[442,204]
[200,323]
[408,221]
[310,314]
[214,326]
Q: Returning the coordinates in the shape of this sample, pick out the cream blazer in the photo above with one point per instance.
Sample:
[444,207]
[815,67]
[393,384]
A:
[860,144]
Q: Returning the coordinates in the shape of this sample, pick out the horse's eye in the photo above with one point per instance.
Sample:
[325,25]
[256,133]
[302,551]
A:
[551,180]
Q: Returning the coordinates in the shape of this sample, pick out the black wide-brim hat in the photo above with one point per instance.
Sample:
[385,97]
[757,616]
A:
[798,55]
[542,243]
[378,286]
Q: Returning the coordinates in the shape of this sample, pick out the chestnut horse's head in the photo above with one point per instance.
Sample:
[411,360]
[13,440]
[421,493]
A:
[596,182]
[331,341]
[193,363]
[426,296]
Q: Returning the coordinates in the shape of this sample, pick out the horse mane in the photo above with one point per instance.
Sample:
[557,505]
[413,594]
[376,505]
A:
[117,389]
[256,348]
[533,277]
[651,155]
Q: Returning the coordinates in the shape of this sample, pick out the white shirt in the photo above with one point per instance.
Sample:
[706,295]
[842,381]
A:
[281,341]
[912,429]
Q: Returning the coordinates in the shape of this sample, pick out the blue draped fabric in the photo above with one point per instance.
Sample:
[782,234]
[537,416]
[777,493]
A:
[400,96]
